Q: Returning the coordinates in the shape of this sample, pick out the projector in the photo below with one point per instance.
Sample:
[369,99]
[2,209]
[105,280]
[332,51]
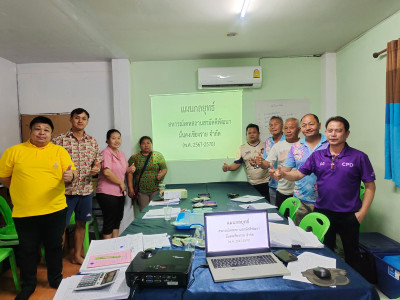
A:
[165,268]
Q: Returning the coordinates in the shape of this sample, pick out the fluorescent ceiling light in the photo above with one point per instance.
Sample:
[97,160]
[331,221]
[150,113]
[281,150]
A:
[244,8]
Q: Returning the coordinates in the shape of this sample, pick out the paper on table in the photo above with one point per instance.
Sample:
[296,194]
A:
[308,260]
[132,242]
[247,199]
[117,290]
[171,202]
[262,205]
[274,217]
[172,195]
[156,241]
[285,236]
[110,259]
[158,213]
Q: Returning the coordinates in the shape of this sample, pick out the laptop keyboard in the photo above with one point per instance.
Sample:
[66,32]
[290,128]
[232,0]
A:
[243,261]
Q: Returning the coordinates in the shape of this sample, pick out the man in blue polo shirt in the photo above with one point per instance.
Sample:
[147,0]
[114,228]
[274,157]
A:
[340,170]
[305,189]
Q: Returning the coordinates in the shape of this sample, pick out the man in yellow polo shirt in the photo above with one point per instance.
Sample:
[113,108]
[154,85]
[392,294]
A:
[35,173]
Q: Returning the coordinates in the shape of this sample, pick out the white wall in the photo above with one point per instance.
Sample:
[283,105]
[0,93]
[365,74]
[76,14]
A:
[9,118]
[328,81]
[61,87]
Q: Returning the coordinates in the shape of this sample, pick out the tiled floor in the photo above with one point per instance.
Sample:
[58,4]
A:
[43,290]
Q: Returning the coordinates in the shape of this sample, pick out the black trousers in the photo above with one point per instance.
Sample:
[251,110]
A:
[263,189]
[32,231]
[346,225]
[113,211]
[280,198]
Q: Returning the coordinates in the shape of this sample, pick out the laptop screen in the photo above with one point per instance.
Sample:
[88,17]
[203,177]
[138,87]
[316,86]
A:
[236,232]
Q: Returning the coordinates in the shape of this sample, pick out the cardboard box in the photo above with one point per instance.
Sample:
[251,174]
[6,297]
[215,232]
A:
[182,191]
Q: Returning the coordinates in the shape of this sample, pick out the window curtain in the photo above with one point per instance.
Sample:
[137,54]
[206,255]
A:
[392,121]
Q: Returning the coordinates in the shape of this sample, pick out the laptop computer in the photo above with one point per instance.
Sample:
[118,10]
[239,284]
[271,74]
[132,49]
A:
[236,238]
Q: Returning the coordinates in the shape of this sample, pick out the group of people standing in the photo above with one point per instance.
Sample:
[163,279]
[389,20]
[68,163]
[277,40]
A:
[322,171]
[50,179]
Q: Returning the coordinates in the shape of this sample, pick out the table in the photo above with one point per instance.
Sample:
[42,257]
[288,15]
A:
[264,288]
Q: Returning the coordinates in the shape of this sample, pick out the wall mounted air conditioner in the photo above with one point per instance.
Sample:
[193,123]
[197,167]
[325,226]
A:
[230,77]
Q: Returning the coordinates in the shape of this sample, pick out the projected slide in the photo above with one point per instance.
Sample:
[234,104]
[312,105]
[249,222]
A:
[197,126]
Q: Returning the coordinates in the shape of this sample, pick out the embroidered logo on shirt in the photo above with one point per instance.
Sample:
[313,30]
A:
[55,165]
[345,164]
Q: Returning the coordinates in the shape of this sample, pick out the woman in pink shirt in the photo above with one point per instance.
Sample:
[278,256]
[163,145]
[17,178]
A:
[111,188]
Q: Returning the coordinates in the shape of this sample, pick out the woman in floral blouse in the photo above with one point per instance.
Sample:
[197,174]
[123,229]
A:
[146,184]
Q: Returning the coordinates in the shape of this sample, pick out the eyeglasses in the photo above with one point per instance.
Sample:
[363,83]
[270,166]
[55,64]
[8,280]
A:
[333,166]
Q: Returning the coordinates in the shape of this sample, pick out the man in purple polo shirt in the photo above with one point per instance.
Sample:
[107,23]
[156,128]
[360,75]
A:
[340,170]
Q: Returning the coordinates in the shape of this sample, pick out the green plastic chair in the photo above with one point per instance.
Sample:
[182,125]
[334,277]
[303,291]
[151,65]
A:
[86,240]
[362,190]
[9,252]
[318,222]
[292,204]
[7,232]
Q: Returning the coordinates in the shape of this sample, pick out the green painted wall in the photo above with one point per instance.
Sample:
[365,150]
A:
[283,78]
[361,99]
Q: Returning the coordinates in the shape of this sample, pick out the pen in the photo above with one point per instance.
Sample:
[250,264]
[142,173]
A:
[105,257]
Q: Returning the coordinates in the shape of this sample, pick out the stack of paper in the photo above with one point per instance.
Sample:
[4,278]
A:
[110,259]
[286,236]
[263,205]
[274,217]
[170,202]
[156,241]
[159,213]
[247,199]
[133,243]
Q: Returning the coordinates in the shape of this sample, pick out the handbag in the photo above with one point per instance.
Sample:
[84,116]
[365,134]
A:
[136,188]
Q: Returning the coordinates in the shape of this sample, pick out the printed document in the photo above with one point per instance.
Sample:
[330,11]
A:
[134,243]
[286,236]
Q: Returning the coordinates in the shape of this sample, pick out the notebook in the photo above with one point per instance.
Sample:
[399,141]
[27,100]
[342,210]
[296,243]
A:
[235,238]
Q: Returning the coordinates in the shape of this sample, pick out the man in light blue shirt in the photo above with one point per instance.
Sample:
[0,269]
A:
[306,188]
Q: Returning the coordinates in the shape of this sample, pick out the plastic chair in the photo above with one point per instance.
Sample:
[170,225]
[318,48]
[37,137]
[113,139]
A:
[8,232]
[362,190]
[86,240]
[9,252]
[318,222]
[292,204]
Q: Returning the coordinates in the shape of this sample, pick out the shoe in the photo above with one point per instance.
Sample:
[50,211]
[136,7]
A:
[24,294]
[55,283]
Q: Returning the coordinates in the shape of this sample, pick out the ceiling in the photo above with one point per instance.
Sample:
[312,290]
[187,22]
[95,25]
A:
[38,31]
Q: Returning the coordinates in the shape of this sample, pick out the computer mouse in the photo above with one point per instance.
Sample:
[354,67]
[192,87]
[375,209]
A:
[146,254]
[322,273]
